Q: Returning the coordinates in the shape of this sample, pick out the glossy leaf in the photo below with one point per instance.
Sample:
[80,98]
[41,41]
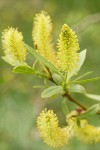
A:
[24,70]
[53,90]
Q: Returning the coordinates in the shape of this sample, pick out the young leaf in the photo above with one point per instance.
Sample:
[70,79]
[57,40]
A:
[82,76]
[82,59]
[53,90]
[23,70]
[86,80]
[92,110]
[65,107]
[57,78]
[42,59]
[77,88]
[92,96]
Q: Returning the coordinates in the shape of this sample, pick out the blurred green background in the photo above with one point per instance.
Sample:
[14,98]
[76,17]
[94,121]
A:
[20,104]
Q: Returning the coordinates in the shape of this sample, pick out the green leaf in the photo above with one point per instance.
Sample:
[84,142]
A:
[85,74]
[93,96]
[23,70]
[86,80]
[65,107]
[53,90]
[57,78]
[82,59]
[42,59]
[92,110]
[77,88]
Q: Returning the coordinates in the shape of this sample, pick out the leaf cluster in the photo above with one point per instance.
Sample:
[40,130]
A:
[60,85]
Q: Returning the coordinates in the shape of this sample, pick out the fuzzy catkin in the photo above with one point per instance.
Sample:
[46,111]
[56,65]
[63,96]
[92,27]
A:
[13,45]
[42,29]
[52,134]
[67,55]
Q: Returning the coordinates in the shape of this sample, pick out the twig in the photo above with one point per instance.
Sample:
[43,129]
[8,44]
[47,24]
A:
[50,78]
[74,101]
[67,95]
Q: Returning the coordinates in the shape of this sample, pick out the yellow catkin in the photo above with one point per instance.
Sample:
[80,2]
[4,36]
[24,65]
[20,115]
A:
[88,133]
[42,29]
[67,55]
[52,134]
[85,132]
[13,45]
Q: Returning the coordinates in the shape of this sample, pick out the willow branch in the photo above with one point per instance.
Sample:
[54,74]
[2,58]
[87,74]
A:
[74,101]
[67,95]
[50,78]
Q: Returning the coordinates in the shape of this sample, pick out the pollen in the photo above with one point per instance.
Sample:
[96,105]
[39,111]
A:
[67,54]
[89,133]
[13,45]
[85,132]
[48,126]
[42,29]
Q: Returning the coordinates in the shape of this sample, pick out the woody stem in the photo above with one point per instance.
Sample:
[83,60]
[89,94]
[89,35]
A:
[74,101]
